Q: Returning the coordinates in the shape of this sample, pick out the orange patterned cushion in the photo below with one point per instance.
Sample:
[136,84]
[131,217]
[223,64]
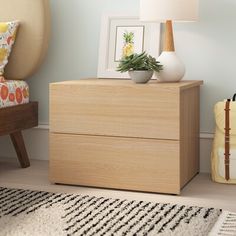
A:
[13,92]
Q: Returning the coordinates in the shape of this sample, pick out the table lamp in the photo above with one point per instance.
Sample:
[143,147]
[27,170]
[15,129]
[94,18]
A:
[168,11]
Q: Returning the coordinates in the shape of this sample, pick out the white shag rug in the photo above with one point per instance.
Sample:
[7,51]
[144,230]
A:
[31,213]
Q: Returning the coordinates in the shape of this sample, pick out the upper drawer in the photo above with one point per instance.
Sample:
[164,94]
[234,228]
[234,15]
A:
[123,109]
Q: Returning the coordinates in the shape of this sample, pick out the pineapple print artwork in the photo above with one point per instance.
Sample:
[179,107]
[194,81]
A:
[128,48]
[128,40]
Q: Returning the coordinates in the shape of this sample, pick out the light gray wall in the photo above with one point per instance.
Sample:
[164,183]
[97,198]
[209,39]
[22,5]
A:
[208,48]
[73,53]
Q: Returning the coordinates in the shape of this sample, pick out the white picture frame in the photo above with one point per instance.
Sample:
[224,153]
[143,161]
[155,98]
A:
[146,37]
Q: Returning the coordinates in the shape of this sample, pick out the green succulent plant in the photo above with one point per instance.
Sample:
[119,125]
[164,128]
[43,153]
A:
[141,61]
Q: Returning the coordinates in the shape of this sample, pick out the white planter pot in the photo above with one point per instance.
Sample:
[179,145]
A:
[173,67]
[140,76]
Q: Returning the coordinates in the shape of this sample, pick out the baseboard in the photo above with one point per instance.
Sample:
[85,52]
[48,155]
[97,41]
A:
[37,146]
[36,141]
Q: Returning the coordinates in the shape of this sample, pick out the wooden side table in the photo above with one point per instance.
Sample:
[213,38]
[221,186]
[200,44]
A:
[117,134]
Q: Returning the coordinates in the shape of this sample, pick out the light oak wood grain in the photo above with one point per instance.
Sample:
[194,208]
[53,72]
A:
[117,134]
[182,85]
[124,163]
[189,134]
[169,37]
[126,111]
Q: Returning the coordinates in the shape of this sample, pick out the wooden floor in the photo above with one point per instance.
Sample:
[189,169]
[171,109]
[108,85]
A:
[201,191]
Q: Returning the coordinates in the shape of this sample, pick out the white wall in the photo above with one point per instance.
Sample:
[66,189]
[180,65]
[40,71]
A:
[208,48]
[73,53]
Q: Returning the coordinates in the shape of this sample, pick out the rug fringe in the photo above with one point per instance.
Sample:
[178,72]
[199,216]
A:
[225,225]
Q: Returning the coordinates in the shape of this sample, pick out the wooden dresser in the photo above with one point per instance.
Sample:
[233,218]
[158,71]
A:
[117,134]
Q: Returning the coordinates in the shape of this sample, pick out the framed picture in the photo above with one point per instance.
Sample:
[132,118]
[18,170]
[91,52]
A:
[128,40]
[122,36]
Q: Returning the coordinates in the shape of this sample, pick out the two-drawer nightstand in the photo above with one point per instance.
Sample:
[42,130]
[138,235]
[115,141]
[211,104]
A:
[117,134]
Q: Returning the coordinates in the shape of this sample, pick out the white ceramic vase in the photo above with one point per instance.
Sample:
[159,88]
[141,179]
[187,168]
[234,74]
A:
[173,67]
[141,76]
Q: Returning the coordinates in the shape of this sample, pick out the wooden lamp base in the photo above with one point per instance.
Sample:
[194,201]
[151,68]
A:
[169,45]
[173,68]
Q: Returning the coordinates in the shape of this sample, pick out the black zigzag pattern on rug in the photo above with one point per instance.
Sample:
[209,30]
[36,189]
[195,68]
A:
[90,215]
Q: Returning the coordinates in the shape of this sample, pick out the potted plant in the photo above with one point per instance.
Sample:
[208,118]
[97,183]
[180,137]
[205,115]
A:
[140,67]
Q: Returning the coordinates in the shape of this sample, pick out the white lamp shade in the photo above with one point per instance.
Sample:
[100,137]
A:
[162,10]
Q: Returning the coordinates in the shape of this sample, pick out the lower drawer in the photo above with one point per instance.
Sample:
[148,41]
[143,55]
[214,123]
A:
[114,162]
